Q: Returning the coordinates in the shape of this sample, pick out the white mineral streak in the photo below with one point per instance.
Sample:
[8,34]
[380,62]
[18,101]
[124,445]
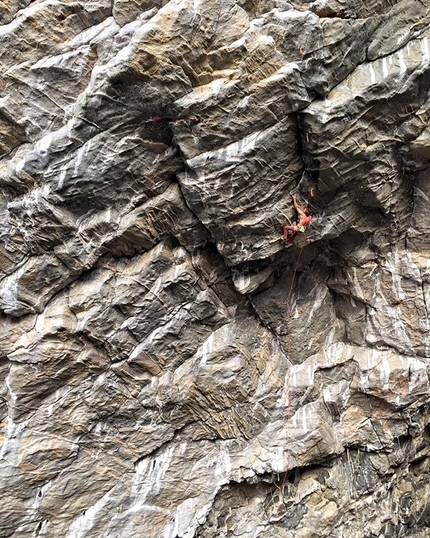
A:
[61,178]
[385,372]
[40,495]
[244,102]
[318,301]
[9,289]
[417,374]
[327,110]
[185,520]
[44,528]
[300,421]
[243,283]
[148,154]
[223,463]
[40,323]
[393,263]
[231,153]
[304,420]
[216,86]
[42,146]
[207,349]
[11,439]
[357,285]
[372,74]
[80,154]
[398,329]
[89,519]
[425,50]
[409,268]
[284,399]
[336,354]
[13,396]
[148,478]
[9,292]
[82,323]
[401,62]
[328,396]
[384,67]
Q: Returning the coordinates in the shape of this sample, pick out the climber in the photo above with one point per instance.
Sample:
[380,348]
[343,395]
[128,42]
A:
[305,218]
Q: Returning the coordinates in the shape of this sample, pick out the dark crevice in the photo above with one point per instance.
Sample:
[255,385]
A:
[267,327]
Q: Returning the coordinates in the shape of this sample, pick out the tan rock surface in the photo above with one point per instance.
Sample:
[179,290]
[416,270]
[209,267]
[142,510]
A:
[169,367]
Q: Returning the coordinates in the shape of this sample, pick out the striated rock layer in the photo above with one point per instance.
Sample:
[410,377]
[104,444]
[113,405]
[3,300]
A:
[169,367]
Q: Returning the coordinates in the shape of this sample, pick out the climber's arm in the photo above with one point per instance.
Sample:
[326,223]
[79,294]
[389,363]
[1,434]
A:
[297,207]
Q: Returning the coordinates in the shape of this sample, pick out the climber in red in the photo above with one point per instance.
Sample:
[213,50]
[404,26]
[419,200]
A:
[305,218]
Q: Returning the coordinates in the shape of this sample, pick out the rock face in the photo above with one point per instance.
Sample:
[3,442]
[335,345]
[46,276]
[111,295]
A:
[169,366]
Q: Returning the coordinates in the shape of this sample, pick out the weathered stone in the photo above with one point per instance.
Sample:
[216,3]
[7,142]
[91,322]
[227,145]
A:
[169,366]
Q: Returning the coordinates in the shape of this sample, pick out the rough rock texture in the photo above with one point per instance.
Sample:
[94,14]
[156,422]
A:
[169,367]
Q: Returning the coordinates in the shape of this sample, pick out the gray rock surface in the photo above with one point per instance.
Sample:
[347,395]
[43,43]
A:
[169,367]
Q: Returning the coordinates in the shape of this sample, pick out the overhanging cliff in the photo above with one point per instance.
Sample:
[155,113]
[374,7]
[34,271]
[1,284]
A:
[169,366]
